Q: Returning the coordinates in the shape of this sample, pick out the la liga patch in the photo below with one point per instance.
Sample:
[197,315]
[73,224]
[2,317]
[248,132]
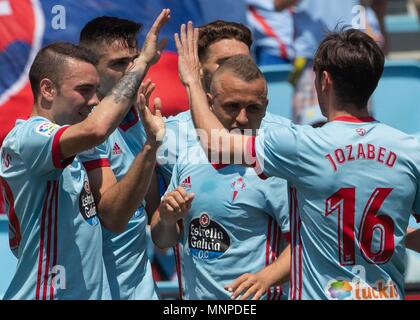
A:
[47,129]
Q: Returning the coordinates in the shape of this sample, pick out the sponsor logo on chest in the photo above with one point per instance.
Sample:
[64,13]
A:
[207,239]
[87,205]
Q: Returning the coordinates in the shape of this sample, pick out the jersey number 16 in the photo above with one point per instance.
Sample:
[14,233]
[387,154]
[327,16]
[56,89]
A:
[372,224]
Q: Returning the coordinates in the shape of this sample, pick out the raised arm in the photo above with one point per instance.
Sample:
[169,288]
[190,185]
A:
[108,114]
[117,201]
[214,138]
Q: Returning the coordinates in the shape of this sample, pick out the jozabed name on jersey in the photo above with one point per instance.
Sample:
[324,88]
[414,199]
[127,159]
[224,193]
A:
[361,151]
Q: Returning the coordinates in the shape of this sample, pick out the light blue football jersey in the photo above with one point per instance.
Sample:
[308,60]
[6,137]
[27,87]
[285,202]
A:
[313,19]
[126,261]
[236,224]
[54,228]
[354,185]
[181,134]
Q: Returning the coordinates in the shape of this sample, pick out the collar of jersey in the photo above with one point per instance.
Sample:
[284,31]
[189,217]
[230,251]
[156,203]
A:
[354,119]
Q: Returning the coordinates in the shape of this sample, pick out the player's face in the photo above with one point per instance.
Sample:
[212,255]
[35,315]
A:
[239,104]
[217,53]
[114,60]
[76,95]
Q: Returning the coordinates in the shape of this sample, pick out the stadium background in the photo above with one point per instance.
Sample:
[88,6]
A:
[28,25]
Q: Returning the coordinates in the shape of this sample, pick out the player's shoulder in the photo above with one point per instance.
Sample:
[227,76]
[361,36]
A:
[271,119]
[190,155]
[30,129]
[399,137]
[181,117]
[289,129]
[179,125]
[39,125]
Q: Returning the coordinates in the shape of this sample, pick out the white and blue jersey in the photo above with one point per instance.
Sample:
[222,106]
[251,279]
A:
[54,227]
[127,264]
[236,224]
[354,184]
[181,134]
[313,19]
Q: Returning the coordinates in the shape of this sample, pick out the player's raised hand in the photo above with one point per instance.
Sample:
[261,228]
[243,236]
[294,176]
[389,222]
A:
[248,285]
[152,50]
[146,88]
[187,47]
[152,121]
[175,205]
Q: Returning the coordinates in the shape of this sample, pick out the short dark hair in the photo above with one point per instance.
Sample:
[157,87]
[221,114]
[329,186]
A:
[355,62]
[107,29]
[241,66]
[50,60]
[218,30]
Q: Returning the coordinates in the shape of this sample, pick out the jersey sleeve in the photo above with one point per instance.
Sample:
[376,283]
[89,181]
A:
[275,152]
[39,147]
[96,157]
[277,204]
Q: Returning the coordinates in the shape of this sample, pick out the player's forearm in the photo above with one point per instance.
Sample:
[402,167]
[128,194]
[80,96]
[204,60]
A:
[280,5]
[164,234]
[152,197]
[278,272]
[112,109]
[203,118]
[412,240]
[118,203]
[214,138]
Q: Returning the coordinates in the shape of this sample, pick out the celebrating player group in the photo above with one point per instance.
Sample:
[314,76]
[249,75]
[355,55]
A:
[255,206]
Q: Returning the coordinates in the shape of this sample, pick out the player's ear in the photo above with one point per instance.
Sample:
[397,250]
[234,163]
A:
[326,80]
[48,89]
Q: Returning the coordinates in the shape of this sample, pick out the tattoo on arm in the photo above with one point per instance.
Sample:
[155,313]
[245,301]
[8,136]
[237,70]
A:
[127,87]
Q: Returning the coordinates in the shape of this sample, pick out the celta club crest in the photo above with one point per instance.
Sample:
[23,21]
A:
[237,186]
[204,220]
[21,32]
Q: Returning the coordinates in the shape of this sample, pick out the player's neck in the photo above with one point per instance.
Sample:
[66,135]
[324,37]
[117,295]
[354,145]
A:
[348,110]
[37,111]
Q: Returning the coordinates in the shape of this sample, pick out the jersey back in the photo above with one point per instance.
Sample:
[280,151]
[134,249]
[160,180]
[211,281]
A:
[353,187]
